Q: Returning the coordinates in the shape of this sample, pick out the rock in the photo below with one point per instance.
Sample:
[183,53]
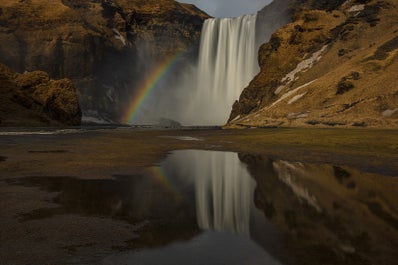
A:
[61,101]
[281,55]
[96,44]
[32,99]
[163,122]
[344,86]
[299,64]
[32,79]
[342,52]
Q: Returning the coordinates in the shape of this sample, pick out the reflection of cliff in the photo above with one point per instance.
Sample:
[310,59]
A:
[329,215]
[159,213]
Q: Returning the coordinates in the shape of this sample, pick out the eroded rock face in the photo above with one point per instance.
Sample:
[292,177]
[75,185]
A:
[32,98]
[333,65]
[102,46]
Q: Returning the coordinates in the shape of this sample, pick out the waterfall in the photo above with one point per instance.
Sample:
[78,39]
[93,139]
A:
[203,93]
[227,63]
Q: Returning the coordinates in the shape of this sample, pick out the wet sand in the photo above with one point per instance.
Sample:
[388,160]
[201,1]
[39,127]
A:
[36,230]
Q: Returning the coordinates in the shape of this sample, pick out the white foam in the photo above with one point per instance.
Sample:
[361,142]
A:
[90,119]
[43,132]
[182,138]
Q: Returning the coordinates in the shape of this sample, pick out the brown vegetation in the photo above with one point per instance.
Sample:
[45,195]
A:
[33,99]
[101,46]
[351,80]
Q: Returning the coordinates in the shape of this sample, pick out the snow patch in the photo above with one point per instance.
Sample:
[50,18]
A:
[346,2]
[356,8]
[286,172]
[295,98]
[120,37]
[304,65]
[109,92]
[289,93]
[300,115]
[279,90]
[388,113]
[237,118]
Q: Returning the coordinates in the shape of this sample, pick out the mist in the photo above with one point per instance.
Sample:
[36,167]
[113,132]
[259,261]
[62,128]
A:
[204,83]
[203,92]
[229,8]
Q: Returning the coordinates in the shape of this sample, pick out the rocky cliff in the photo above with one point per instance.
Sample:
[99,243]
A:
[102,45]
[33,99]
[335,64]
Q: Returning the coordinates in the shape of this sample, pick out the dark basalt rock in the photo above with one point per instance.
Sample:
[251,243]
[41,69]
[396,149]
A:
[33,98]
[102,46]
[345,84]
[169,123]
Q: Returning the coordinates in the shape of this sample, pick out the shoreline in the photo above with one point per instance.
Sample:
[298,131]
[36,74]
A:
[350,147]
[42,174]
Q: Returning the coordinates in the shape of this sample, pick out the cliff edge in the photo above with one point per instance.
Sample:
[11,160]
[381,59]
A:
[333,65]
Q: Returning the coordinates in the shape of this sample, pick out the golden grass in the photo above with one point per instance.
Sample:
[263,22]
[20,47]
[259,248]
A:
[102,153]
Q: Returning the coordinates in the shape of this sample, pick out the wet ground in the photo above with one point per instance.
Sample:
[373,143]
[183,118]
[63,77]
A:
[271,196]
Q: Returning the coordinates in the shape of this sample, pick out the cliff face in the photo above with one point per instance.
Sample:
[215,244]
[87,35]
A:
[99,44]
[33,99]
[333,65]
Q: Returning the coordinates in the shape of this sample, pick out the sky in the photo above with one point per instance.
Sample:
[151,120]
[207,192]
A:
[228,8]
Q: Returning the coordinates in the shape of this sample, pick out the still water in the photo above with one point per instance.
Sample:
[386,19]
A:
[203,207]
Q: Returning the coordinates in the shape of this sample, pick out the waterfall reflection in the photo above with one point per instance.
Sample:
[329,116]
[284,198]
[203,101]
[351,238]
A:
[299,213]
[223,188]
[261,211]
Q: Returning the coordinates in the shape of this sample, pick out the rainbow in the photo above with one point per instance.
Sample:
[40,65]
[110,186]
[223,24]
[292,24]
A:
[160,177]
[148,85]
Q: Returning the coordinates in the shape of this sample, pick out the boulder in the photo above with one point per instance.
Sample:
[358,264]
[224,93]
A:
[32,98]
